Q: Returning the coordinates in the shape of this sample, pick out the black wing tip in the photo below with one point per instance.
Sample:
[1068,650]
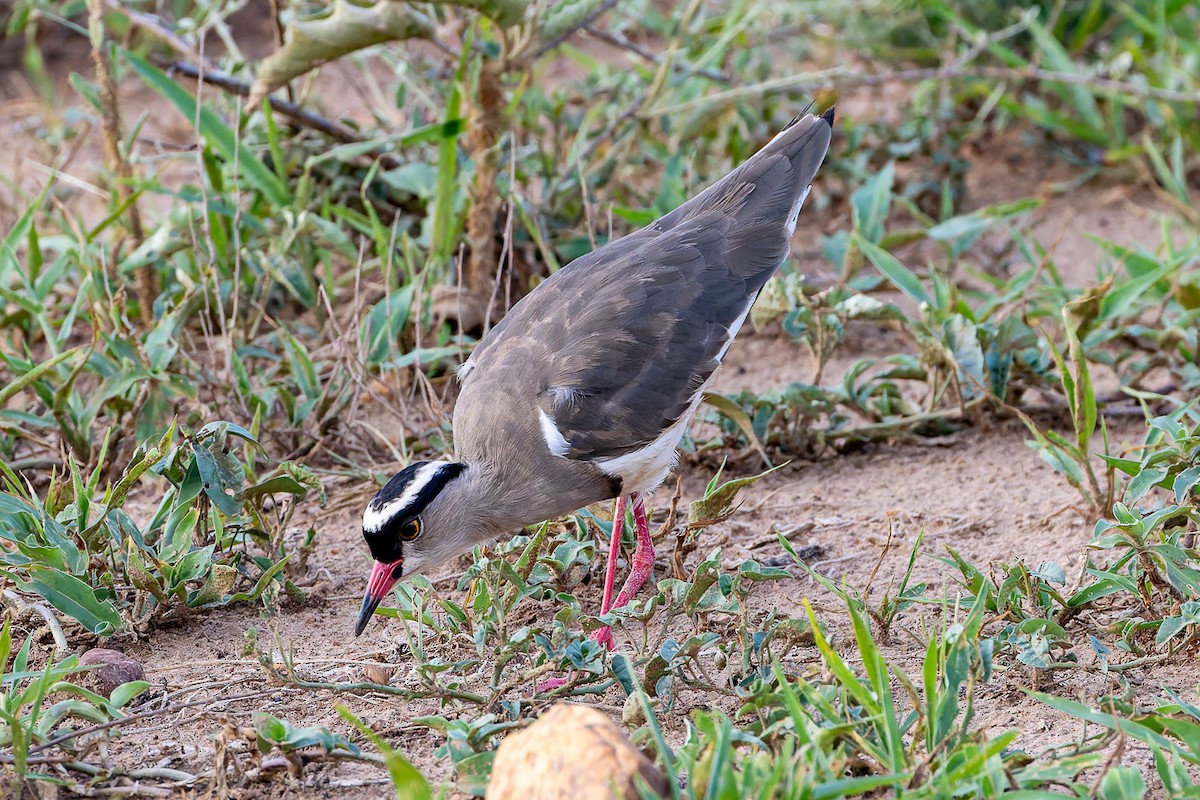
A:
[828,116]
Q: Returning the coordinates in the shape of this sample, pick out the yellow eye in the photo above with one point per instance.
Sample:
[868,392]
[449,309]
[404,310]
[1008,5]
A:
[411,530]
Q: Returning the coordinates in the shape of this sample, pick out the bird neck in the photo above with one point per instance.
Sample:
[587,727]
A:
[488,503]
[499,496]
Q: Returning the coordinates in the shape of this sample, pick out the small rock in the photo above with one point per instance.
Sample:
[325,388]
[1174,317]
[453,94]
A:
[572,751]
[115,669]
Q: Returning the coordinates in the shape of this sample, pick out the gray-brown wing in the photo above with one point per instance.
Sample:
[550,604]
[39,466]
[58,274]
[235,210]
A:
[628,334]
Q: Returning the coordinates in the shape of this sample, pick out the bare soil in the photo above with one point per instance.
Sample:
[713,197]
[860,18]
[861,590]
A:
[982,492]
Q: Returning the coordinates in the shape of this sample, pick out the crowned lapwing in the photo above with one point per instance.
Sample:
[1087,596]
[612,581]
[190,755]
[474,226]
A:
[583,391]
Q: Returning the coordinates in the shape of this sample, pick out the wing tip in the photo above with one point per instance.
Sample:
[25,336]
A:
[828,116]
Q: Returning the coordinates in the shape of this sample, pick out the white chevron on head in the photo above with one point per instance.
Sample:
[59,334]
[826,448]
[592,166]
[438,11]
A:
[376,516]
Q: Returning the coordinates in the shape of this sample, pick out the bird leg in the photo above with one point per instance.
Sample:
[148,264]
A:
[614,550]
[639,571]
[639,568]
[643,556]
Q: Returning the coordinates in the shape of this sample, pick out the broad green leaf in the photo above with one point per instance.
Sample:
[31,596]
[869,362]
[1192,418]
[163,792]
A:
[623,671]
[176,538]
[383,325]
[1185,482]
[191,567]
[222,475]
[139,575]
[717,503]
[1144,481]
[416,177]
[284,484]
[120,696]
[1118,301]
[900,276]
[1129,466]
[730,409]
[1122,783]
[72,597]
[962,339]
[752,570]
[871,204]
[1129,727]
[1103,587]
[264,581]
[218,583]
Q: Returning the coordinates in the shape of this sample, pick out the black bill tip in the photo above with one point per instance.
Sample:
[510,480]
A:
[369,604]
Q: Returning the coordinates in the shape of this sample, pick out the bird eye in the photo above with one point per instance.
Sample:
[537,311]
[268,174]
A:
[411,529]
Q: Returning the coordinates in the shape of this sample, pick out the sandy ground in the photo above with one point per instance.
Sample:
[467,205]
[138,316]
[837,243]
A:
[982,492]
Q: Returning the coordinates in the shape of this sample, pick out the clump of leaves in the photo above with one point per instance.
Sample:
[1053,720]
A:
[1171,729]
[39,706]
[87,557]
[810,737]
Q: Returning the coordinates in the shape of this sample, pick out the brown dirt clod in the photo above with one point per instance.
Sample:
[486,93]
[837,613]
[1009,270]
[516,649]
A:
[572,751]
[115,669]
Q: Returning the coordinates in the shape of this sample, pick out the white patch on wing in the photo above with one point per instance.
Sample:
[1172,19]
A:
[645,469]
[464,369]
[794,216]
[376,516]
[555,441]
[733,331]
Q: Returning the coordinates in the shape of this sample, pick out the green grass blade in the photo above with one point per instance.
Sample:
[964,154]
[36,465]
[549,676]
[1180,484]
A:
[660,741]
[407,780]
[214,130]
[841,670]
[441,244]
[35,373]
[792,703]
[900,276]
[1058,59]
[877,672]
[12,240]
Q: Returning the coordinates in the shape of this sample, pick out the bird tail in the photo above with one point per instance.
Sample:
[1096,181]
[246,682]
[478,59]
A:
[772,182]
[782,172]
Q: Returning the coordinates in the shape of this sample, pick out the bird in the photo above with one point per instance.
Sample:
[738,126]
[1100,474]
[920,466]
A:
[583,391]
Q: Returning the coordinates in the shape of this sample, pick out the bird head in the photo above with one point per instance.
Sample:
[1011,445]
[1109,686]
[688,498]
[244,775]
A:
[409,525]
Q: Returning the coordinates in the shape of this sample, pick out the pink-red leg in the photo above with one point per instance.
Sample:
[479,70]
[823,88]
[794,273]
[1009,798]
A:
[639,571]
[643,556]
[614,550]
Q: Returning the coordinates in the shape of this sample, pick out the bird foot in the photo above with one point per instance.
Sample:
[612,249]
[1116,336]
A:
[642,563]
[550,684]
